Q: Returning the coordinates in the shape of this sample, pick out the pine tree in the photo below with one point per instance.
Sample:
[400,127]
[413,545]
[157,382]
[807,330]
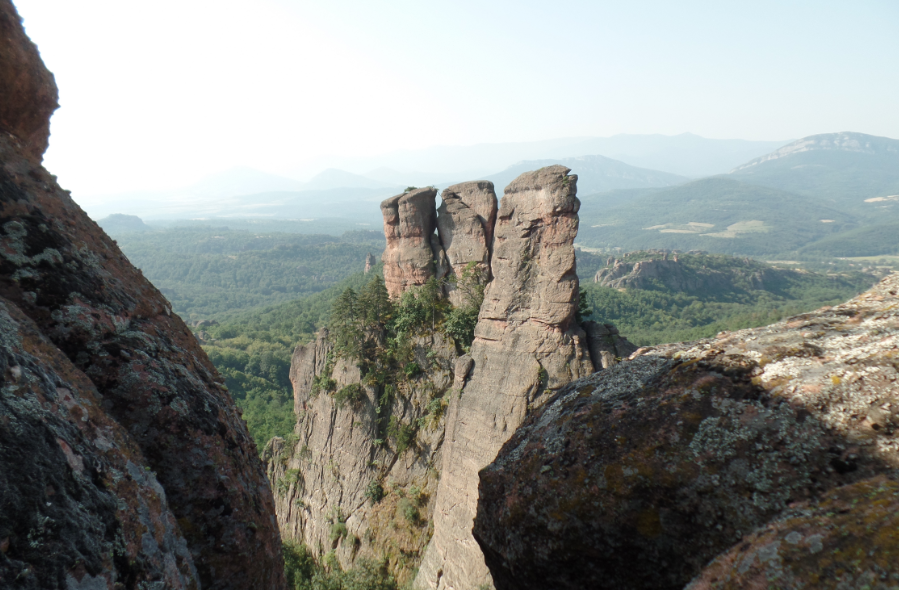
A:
[375,307]
[345,324]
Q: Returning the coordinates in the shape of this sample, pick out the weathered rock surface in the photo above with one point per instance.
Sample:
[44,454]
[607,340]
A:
[151,378]
[847,541]
[323,478]
[637,476]
[465,222]
[79,507]
[526,344]
[606,344]
[410,220]
[675,275]
[28,89]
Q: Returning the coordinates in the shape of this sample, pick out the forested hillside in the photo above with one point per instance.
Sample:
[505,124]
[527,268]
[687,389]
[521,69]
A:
[210,272]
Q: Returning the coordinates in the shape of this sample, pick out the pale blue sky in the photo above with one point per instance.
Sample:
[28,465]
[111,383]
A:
[156,94]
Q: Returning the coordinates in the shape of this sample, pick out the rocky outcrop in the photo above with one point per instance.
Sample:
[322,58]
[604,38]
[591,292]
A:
[465,222]
[846,540]
[607,347]
[410,221]
[28,89]
[639,475]
[370,262]
[81,509]
[526,345]
[346,484]
[690,274]
[137,396]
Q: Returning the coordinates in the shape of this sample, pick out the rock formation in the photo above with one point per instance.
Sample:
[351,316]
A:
[325,479]
[606,345]
[465,222]
[526,345]
[678,275]
[27,87]
[639,475]
[846,540]
[370,261]
[124,454]
[410,220]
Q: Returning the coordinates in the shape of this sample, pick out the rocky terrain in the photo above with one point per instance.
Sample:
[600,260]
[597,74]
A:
[527,344]
[123,460]
[774,449]
[667,270]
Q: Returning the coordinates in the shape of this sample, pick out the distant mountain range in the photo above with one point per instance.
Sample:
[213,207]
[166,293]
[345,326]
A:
[814,195]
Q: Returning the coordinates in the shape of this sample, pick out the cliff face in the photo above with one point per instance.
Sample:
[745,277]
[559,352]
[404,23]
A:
[329,480]
[677,276]
[465,222]
[128,392]
[410,220]
[526,344]
[638,476]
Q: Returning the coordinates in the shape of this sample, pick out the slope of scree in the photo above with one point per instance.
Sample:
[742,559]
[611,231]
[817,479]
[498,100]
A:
[638,476]
[104,387]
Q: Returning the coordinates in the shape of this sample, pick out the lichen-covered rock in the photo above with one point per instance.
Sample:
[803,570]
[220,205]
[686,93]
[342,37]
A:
[151,376]
[346,453]
[79,506]
[410,220]
[465,222]
[28,89]
[637,476]
[847,541]
[526,345]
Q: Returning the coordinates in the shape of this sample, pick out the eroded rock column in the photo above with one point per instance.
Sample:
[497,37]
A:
[410,220]
[465,222]
[526,344]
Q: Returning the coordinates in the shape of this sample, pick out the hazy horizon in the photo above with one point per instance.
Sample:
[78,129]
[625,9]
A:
[150,102]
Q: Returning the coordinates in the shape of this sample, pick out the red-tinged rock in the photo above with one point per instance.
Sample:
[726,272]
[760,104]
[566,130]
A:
[410,220]
[639,475]
[151,376]
[847,541]
[80,507]
[28,89]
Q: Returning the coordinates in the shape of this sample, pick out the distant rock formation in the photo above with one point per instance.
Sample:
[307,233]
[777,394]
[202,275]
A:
[465,222]
[675,274]
[117,223]
[370,262]
[527,344]
[410,221]
[123,459]
[639,475]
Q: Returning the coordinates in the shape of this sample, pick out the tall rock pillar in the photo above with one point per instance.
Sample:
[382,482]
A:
[410,220]
[527,343]
[465,222]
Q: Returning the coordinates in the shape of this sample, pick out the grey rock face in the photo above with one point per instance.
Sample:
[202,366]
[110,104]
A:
[324,476]
[606,344]
[465,222]
[78,504]
[410,220]
[526,345]
[370,261]
[639,475]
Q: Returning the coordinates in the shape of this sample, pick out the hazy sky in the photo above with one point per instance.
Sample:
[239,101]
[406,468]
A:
[156,94]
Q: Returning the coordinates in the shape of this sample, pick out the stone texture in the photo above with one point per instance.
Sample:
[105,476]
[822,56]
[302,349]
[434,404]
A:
[526,345]
[150,374]
[847,541]
[80,508]
[465,222]
[28,89]
[606,344]
[637,476]
[410,220]
[339,451]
